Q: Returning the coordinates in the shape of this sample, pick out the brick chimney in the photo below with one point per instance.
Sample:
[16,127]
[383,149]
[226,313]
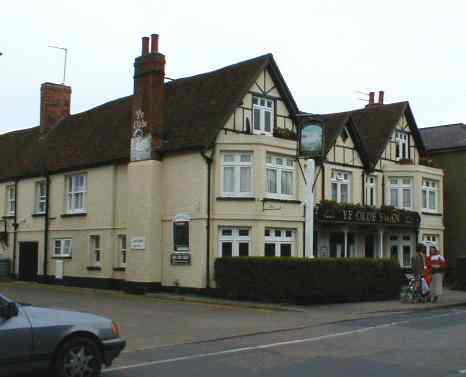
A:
[55,100]
[149,106]
[381,95]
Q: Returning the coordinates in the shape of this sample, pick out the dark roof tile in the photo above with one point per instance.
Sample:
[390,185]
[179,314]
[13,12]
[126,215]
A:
[450,136]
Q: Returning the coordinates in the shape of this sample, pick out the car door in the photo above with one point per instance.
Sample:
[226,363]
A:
[15,341]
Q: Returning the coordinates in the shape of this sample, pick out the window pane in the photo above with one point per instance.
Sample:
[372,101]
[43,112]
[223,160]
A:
[432,200]
[257,119]
[271,181]
[289,233]
[243,232]
[287,183]
[228,158]
[406,181]
[406,255]
[254,100]
[267,233]
[227,232]
[245,157]
[344,193]
[269,250]
[394,251]
[243,249]
[406,198]
[424,199]
[394,197]
[268,121]
[228,179]
[245,179]
[285,250]
[278,233]
[334,192]
[227,249]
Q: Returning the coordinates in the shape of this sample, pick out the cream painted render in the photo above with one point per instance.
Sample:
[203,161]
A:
[141,200]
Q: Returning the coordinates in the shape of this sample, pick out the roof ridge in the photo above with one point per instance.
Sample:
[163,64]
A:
[444,125]
[234,65]
[20,131]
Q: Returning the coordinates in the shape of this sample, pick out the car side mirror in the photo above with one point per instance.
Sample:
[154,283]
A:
[8,310]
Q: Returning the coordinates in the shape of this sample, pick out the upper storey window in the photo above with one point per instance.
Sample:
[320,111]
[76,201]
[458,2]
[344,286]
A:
[341,186]
[10,200]
[76,193]
[237,174]
[402,147]
[262,115]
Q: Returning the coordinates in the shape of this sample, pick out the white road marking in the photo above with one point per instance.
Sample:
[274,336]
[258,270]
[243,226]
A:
[281,344]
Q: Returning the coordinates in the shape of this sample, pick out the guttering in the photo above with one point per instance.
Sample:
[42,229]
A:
[209,161]
[46,225]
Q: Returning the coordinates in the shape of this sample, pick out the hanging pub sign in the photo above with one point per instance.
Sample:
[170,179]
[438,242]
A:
[311,138]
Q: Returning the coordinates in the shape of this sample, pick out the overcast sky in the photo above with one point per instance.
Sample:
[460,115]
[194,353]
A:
[326,50]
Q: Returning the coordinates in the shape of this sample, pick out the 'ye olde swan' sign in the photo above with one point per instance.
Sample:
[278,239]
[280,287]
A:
[368,216]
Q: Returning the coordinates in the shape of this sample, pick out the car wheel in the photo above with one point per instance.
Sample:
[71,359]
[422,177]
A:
[78,357]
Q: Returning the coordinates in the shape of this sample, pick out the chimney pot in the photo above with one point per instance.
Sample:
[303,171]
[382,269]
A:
[145,45]
[381,94]
[154,43]
[371,98]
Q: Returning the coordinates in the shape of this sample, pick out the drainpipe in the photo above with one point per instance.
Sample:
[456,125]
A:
[15,227]
[46,226]
[209,161]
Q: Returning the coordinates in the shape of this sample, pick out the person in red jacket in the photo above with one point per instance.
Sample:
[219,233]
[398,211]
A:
[436,264]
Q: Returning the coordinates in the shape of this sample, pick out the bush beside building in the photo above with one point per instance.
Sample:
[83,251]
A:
[307,281]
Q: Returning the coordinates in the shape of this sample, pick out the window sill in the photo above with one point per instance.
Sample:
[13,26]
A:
[38,214]
[243,198]
[282,200]
[122,269]
[431,213]
[60,257]
[9,216]
[94,268]
[77,214]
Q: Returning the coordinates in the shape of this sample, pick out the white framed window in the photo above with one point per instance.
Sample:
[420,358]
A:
[341,186]
[371,190]
[401,248]
[234,241]
[10,200]
[401,192]
[280,176]
[62,247]
[95,251]
[262,115]
[237,174]
[430,195]
[401,145]
[40,197]
[431,240]
[279,242]
[181,236]
[122,249]
[76,193]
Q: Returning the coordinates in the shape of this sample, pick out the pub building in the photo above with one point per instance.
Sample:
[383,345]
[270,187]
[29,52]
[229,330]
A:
[377,195]
[148,190]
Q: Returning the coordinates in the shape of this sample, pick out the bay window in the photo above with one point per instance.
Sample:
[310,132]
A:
[401,192]
[279,176]
[234,242]
[341,186]
[262,115]
[279,242]
[237,174]
[429,195]
[76,193]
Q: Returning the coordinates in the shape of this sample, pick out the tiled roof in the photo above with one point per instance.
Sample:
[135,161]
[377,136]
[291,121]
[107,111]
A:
[450,136]
[197,108]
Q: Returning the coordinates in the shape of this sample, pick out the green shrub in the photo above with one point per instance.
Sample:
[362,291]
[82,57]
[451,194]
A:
[461,273]
[306,281]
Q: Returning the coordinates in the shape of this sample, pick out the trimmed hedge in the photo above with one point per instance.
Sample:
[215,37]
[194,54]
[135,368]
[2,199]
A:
[307,281]
[461,273]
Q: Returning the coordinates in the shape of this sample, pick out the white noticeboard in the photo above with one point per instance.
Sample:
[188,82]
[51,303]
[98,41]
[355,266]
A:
[138,243]
[59,269]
